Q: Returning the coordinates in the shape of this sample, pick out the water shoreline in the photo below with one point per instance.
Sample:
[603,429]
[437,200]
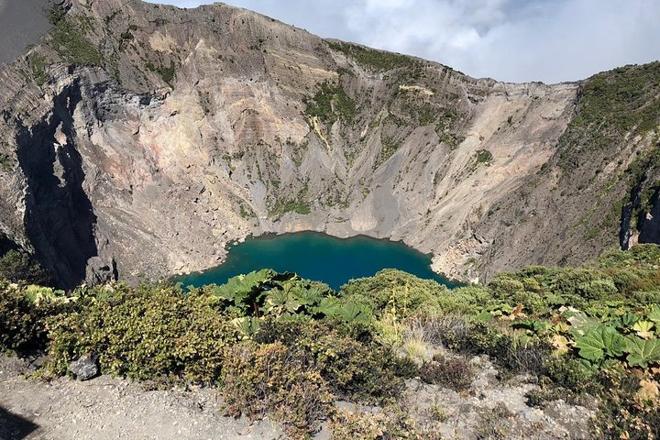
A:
[401,253]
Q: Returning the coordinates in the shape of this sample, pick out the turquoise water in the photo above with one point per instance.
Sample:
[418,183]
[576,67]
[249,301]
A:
[317,257]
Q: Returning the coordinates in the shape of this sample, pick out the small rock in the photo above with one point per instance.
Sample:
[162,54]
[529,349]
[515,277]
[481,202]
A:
[84,368]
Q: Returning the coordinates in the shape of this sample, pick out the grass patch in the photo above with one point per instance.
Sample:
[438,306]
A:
[389,146]
[446,126]
[6,162]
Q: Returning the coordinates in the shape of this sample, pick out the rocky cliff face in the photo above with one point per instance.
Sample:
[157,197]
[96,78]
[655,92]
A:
[139,139]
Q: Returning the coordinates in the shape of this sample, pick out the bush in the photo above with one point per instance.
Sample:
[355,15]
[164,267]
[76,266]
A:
[274,379]
[331,103]
[357,369]
[392,423]
[573,374]
[454,373]
[149,333]
[22,322]
[393,291]
[69,39]
[17,266]
[623,414]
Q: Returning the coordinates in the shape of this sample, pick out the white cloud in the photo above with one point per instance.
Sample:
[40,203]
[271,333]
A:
[511,40]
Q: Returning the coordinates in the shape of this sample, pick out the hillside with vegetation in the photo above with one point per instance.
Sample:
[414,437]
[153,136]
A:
[364,361]
[139,139]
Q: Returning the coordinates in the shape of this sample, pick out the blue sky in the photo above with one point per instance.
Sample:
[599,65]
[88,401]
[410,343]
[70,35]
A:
[509,40]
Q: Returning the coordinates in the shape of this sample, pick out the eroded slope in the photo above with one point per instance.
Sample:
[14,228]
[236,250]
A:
[140,139]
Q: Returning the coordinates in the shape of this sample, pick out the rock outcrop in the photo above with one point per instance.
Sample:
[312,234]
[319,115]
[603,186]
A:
[138,140]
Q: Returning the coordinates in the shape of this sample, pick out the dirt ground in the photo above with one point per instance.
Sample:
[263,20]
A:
[107,408]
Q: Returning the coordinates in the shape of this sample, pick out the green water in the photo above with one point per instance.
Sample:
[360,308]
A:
[317,257]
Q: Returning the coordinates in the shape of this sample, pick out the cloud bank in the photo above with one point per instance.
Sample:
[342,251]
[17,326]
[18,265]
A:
[509,40]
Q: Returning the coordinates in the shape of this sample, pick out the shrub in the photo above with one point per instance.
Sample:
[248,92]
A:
[374,59]
[22,322]
[573,374]
[454,373]
[623,412]
[69,39]
[363,372]
[484,157]
[149,333]
[167,74]
[354,369]
[275,379]
[17,266]
[394,291]
[391,423]
[331,103]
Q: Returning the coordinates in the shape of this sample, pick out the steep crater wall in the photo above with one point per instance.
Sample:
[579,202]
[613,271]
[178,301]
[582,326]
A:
[140,139]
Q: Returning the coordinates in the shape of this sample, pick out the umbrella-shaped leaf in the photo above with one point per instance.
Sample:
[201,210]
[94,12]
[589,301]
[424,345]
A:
[654,315]
[600,341]
[642,352]
[644,329]
[239,288]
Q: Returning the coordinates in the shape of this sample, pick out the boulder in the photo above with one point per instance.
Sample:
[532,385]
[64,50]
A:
[85,368]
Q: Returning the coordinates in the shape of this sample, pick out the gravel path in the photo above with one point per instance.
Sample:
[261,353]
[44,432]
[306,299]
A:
[107,408]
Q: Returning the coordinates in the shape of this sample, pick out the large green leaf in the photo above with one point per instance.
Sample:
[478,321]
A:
[279,302]
[246,326]
[349,312]
[600,341]
[580,322]
[239,288]
[654,315]
[532,324]
[644,329]
[39,296]
[627,320]
[642,352]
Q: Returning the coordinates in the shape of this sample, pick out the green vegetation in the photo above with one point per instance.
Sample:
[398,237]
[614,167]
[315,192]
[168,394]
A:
[619,99]
[245,211]
[278,344]
[389,147]
[18,266]
[24,311]
[612,104]
[167,73]
[283,206]
[426,114]
[483,157]
[331,103]
[373,59]
[5,161]
[38,69]
[446,126]
[69,39]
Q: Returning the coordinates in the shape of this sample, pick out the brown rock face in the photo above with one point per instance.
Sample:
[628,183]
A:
[139,139]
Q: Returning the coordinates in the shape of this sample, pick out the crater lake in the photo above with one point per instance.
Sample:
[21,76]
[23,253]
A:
[318,257]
